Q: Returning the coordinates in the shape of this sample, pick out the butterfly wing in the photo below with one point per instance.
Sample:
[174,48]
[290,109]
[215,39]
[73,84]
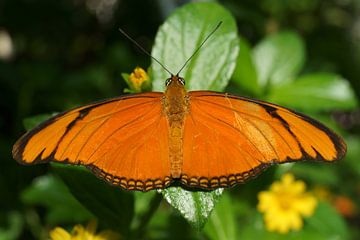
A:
[228,139]
[122,140]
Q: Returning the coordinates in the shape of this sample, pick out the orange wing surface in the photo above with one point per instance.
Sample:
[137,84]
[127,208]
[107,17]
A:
[228,139]
[122,140]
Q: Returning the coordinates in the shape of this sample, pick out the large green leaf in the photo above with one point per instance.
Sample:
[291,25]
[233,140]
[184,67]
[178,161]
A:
[314,92]
[182,33]
[112,206]
[195,207]
[245,75]
[278,58]
[327,222]
[222,223]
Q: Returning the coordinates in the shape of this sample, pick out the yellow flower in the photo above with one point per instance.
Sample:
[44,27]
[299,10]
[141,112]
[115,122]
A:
[81,233]
[285,204]
[137,78]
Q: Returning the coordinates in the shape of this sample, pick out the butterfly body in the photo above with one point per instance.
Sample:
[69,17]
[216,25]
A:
[175,104]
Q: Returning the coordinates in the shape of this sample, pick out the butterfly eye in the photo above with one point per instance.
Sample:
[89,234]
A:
[167,82]
[182,81]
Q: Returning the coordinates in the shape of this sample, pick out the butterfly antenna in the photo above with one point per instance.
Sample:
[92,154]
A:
[142,49]
[198,48]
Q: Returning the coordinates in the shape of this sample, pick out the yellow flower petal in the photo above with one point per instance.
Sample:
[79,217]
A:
[80,233]
[285,204]
[59,233]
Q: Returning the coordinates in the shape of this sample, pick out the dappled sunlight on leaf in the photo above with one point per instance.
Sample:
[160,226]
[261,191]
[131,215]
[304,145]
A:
[195,207]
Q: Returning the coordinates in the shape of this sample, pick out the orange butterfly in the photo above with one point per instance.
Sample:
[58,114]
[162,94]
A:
[200,139]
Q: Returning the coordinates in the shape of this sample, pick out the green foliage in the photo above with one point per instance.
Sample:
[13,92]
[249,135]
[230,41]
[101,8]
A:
[353,154]
[113,206]
[245,74]
[327,223]
[316,173]
[50,192]
[317,91]
[13,227]
[278,58]
[182,33]
[222,223]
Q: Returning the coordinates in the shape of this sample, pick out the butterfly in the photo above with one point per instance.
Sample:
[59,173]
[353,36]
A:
[198,139]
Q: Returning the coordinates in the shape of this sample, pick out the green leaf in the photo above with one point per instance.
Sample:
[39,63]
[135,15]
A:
[353,153]
[317,173]
[146,205]
[126,76]
[222,224]
[31,122]
[177,39]
[278,58]
[141,206]
[112,206]
[328,222]
[13,227]
[315,92]
[50,192]
[195,207]
[245,75]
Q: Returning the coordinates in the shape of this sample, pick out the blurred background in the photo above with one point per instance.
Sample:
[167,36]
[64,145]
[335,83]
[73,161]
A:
[55,55]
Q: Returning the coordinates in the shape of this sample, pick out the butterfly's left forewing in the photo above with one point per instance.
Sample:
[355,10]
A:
[123,140]
[228,139]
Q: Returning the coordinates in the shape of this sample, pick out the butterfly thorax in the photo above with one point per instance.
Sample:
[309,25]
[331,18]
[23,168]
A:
[175,106]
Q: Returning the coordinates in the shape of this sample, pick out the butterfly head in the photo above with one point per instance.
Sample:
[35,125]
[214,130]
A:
[175,80]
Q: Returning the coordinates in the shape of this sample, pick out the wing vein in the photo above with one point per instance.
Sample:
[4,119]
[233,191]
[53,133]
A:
[118,129]
[91,121]
[95,130]
[262,134]
[229,108]
[282,137]
[238,147]
[237,130]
